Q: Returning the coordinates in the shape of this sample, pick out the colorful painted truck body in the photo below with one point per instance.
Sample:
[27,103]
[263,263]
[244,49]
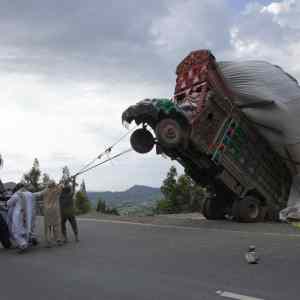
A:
[219,147]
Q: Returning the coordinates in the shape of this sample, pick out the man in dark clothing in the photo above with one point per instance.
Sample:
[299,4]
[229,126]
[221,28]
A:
[4,230]
[68,210]
[2,191]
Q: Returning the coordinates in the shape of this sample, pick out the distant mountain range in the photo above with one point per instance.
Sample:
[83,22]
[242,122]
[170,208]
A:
[139,195]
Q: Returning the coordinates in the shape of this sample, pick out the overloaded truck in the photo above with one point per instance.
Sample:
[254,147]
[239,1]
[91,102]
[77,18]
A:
[219,146]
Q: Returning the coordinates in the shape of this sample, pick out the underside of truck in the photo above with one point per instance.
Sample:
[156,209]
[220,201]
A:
[165,126]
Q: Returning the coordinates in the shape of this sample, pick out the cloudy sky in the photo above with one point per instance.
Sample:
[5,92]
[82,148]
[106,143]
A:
[69,68]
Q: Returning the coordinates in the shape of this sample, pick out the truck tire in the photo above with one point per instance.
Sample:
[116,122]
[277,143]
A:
[212,210]
[4,234]
[169,133]
[236,211]
[247,209]
[142,140]
[272,214]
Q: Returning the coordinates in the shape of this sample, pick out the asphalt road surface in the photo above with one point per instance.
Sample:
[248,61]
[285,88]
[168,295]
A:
[118,260]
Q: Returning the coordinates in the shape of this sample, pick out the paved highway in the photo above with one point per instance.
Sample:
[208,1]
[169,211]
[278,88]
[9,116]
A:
[117,260]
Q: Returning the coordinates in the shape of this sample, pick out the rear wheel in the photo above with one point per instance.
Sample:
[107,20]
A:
[247,209]
[236,210]
[272,214]
[212,209]
[169,133]
[142,140]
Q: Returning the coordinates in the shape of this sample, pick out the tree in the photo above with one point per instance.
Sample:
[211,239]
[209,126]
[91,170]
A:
[82,203]
[65,175]
[113,211]
[181,194]
[169,183]
[164,206]
[32,178]
[83,188]
[101,206]
[169,203]
[197,197]
[46,179]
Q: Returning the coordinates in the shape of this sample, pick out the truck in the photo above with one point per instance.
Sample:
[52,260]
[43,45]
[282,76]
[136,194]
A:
[218,145]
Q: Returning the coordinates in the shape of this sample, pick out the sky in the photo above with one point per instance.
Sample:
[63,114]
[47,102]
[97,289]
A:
[69,68]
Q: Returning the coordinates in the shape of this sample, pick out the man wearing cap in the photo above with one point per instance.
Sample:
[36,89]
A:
[52,217]
[68,210]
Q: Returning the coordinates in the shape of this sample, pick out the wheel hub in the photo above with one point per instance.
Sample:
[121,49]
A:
[170,133]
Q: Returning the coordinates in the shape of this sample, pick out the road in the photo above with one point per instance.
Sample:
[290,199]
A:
[118,260]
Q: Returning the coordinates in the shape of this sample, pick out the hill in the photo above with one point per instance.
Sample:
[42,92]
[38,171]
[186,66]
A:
[138,195]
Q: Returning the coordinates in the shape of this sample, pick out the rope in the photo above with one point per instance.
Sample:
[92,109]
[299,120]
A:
[96,158]
[106,151]
[122,137]
[103,162]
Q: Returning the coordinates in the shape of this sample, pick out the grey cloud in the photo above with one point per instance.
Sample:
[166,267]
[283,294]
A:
[262,32]
[78,38]
[263,26]
[105,40]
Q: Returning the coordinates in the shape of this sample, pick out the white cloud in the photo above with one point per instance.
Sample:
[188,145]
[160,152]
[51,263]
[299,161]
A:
[269,32]
[279,8]
[191,25]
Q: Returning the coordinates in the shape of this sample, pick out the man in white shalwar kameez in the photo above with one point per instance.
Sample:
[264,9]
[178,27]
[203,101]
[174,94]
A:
[52,214]
[21,207]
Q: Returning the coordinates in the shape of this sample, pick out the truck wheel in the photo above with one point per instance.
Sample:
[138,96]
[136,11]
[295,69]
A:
[169,133]
[236,211]
[272,214]
[248,209]
[142,140]
[212,210]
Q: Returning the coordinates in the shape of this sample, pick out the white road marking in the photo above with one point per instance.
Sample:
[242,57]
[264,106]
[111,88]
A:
[189,227]
[236,296]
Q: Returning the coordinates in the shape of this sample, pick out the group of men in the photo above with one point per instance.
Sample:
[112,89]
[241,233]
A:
[58,208]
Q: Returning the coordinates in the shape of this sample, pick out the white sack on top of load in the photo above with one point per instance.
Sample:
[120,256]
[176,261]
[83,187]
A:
[256,81]
[292,212]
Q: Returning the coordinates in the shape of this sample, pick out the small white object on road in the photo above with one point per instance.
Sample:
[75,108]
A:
[236,296]
[251,256]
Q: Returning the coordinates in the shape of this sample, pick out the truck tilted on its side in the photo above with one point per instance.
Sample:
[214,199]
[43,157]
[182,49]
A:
[216,143]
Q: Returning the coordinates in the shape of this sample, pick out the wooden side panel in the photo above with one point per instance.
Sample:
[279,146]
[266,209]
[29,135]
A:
[206,128]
